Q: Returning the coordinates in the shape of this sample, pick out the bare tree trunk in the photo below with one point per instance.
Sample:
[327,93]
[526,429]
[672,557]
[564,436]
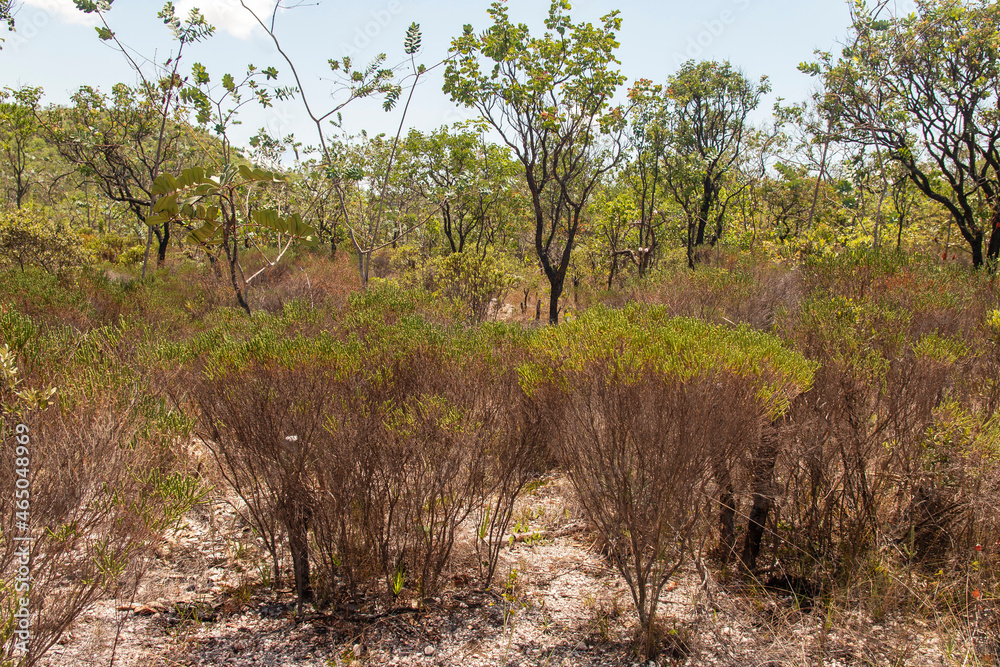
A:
[145,256]
[763,475]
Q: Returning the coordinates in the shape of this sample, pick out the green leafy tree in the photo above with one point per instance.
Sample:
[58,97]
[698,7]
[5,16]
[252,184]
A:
[618,230]
[313,196]
[549,100]
[125,142]
[925,88]
[708,132]
[470,177]
[18,127]
[647,148]
[376,189]
[810,143]
[121,143]
[222,211]
[6,16]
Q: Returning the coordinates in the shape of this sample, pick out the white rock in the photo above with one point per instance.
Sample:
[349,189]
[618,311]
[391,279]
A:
[429,650]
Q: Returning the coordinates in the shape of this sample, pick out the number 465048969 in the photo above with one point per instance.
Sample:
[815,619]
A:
[22,462]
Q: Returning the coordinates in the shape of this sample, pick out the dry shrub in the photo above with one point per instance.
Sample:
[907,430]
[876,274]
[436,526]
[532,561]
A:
[265,428]
[417,469]
[102,490]
[642,457]
[756,294]
[655,418]
[889,459]
[401,431]
[512,437]
[430,442]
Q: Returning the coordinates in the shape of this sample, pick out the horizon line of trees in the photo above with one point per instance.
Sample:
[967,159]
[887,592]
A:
[898,146]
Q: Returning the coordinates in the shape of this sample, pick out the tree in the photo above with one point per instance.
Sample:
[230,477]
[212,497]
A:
[813,148]
[34,236]
[617,232]
[647,143]
[315,198]
[375,188]
[468,175]
[125,145]
[365,230]
[6,16]
[549,99]
[708,106]
[925,88]
[226,210]
[121,142]
[18,127]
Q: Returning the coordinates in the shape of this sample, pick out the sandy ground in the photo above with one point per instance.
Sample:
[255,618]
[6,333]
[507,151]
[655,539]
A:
[555,602]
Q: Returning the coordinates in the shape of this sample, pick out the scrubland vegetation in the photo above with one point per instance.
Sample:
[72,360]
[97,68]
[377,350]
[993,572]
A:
[759,355]
[831,423]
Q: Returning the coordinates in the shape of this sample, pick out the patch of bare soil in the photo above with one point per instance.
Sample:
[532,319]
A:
[556,601]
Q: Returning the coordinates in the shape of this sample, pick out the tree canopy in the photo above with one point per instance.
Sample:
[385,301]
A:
[926,89]
[549,98]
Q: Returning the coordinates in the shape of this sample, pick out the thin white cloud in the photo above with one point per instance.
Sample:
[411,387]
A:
[229,15]
[37,11]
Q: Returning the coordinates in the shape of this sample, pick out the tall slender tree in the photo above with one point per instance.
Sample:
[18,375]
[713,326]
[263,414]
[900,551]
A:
[708,132]
[549,100]
[18,127]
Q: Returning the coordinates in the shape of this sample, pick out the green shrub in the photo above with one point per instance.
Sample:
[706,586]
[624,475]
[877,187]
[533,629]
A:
[31,237]
[656,418]
[478,281]
[114,248]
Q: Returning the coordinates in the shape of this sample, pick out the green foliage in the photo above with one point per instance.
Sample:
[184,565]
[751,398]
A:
[7,15]
[708,138]
[921,88]
[194,29]
[113,248]
[412,42]
[31,237]
[15,399]
[478,281]
[181,198]
[18,127]
[473,181]
[575,60]
[636,341]
[223,208]
[91,6]
[549,99]
[993,323]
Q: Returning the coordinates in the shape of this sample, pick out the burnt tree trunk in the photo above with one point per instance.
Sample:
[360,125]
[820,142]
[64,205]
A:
[763,498]
[298,544]
[727,516]
[163,239]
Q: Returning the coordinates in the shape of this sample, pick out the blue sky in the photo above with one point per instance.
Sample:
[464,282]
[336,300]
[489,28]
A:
[56,46]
